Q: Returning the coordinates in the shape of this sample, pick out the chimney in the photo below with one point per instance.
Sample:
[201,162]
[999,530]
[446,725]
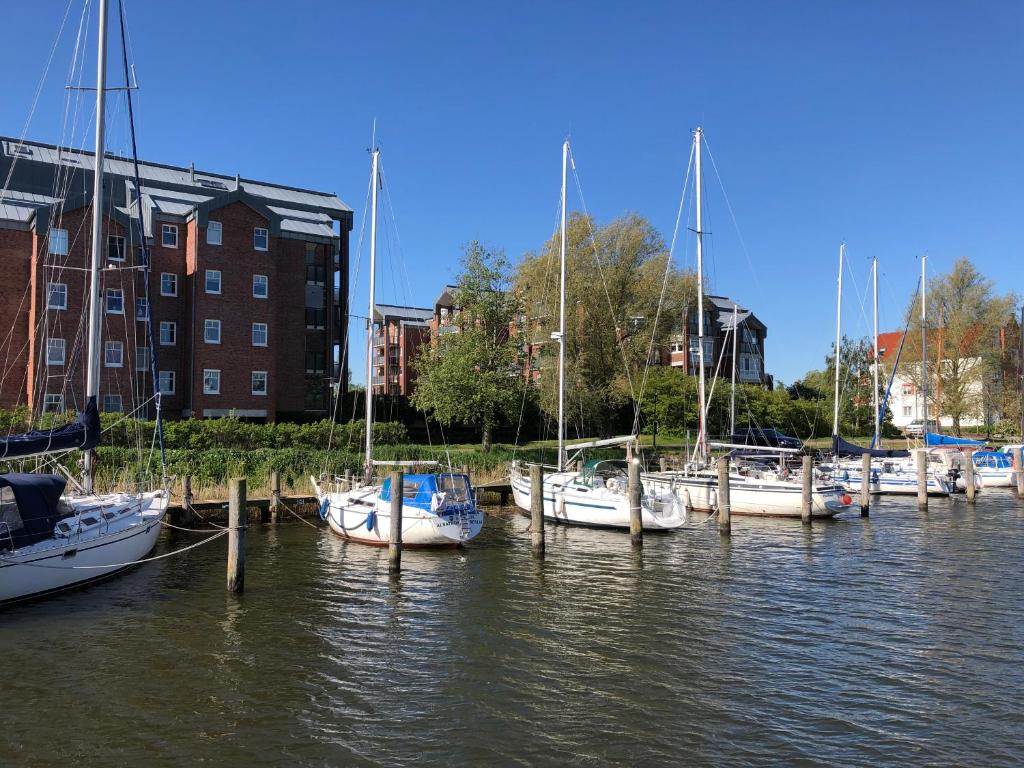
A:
[237,184]
[192,172]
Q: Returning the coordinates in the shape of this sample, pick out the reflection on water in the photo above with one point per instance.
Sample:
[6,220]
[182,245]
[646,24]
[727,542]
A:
[891,640]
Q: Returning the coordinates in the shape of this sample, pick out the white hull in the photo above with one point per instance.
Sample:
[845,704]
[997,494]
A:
[995,478]
[568,501]
[891,483]
[87,553]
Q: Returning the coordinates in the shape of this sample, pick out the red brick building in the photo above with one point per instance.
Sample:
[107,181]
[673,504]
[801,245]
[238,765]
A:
[245,314]
[397,336]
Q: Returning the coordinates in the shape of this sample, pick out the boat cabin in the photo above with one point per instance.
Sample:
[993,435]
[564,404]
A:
[29,508]
[605,473]
[434,493]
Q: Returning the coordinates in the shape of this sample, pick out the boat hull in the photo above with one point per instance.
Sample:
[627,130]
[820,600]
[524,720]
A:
[752,497]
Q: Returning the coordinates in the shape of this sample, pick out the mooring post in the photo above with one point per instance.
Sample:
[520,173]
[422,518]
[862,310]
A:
[663,463]
[865,484]
[275,497]
[237,523]
[348,479]
[922,481]
[636,527]
[186,517]
[724,507]
[1018,462]
[395,539]
[537,509]
[807,499]
[969,478]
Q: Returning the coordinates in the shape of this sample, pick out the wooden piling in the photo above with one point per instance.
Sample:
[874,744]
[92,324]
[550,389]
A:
[969,478]
[724,508]
[1018,462]
[236,535]
[807,498]
[348,479]
[922,481]
[273,514]
[186,514]
[636,527]
[865,484]
[663,463]
[395,539]
[537,510]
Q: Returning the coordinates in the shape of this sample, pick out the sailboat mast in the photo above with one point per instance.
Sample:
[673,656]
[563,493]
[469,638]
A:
[839,327]
[702,438]
[732,397]
[561,316]
[92,381]
[924,348]
[369,317]
[878,414]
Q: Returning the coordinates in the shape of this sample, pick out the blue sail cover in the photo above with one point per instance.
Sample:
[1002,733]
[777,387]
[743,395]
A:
[83,433]
[933,438]
[841,447]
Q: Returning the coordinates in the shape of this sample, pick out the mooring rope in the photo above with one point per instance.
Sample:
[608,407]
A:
[122,565]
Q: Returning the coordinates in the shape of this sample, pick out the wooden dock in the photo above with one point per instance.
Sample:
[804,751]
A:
[503,489]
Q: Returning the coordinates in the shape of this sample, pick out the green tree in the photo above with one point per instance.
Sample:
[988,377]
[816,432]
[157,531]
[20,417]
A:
[472,375]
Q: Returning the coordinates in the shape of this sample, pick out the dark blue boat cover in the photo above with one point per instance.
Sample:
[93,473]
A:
[934,438]
[841,447]
[38,499]
[83,433]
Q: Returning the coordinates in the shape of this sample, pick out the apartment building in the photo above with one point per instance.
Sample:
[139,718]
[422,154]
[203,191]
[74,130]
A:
[397,336]
[719,312]
[242,311]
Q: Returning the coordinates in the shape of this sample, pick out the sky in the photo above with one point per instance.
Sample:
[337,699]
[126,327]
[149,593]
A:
[896,127]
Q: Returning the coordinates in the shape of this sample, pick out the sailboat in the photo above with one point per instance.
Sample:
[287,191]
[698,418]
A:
[595,495]
[53,538]
[438,509]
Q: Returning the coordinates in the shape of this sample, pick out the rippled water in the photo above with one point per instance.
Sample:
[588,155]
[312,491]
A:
[890,641]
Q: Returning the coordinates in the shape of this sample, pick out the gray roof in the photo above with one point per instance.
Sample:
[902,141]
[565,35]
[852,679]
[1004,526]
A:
[415,314]
[723,307]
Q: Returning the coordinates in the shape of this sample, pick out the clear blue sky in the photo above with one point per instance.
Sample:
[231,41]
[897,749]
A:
[897,126]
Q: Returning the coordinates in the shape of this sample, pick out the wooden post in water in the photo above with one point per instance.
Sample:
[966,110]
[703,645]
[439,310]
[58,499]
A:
[186,518]
[1018,462]
[865,484]
[275,497]
[724,508]
[663,463]
[395,539]
[636,526]
[807,497]
[348,479]
[237,523]
[537,510]
[969,478]
[922,481]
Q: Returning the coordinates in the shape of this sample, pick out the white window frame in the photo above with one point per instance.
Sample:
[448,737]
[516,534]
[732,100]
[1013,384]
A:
[51,345]
[142,302]
[53,399]
[266,334]
[206,281]
[110,346]
[266,287]
[169,229]
[253,383]
[106,302]
[172,327]
[51,291]
[57,242]
[160,382]
[211,227]
[209,390]
[208,325]
[120,403]
[124,247]
[174,277]
[266,238]
[141,359]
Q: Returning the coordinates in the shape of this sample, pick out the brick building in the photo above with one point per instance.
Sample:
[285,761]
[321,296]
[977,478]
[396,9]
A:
[397,336]
[244,313]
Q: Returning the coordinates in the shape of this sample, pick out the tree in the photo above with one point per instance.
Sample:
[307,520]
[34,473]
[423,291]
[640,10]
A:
[614,285]
[471,375]
[964,318]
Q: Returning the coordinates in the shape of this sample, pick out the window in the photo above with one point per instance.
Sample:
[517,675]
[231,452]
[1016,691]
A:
[908,389]
[53,403]
[115,301]
[260,238]
[213,281]
[259,334]
[677,346]
[259,286]
[56,296]
[315,318]
[316,273]
[57,244]
[211,331]
[906,410]
[211,381]
[115,248]
[142,310]
[112,403]
[169,236]
[168,333]
[213,233]
[259,382]
[168,284]
[166,382]
[55,351]
[315,361]
[142,359]
[113,354]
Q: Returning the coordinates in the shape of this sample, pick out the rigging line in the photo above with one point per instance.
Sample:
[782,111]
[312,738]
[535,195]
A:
[129,563]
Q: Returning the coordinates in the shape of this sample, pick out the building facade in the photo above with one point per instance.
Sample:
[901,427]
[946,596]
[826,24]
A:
[683,351]
[246,288]
[398,334]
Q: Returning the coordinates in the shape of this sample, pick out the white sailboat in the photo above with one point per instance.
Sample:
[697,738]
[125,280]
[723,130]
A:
[438,509]
[596,495]
[52,539]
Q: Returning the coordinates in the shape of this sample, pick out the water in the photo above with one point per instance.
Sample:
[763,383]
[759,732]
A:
[890,641]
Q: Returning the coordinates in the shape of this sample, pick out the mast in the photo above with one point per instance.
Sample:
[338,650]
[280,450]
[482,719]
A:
[369,317]
[92,382]
[1020,373]
[732,397]
[878,414]
[561,317]
[839,326]
[702,438]
[924,350]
